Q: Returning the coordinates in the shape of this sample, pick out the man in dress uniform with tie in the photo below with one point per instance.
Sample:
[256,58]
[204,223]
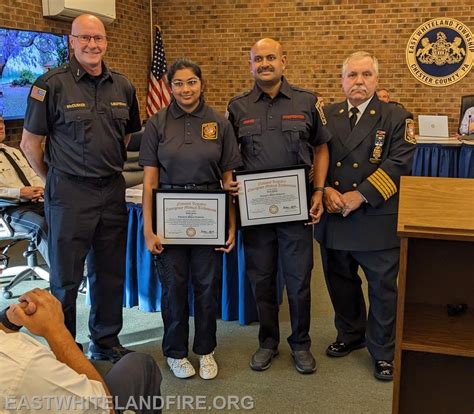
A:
[371,148]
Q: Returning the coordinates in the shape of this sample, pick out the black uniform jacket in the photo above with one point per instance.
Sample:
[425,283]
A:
[371,159]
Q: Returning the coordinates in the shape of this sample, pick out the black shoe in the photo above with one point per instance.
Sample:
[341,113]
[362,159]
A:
[112,354]
[340,349]
[262,359]
[384,370]
[304,362]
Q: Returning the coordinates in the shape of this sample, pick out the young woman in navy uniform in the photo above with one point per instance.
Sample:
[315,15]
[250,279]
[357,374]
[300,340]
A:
[188,146]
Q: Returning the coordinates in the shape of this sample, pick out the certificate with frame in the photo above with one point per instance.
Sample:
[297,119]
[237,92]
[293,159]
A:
[273,196]
[191,217]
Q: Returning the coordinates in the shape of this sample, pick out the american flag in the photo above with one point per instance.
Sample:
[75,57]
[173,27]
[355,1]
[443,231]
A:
[159,93]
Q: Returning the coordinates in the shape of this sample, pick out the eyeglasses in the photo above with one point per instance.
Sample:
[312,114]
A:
[180,84]
[85,39]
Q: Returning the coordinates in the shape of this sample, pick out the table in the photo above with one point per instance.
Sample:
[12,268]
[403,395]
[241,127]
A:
[143,289]
[444,158]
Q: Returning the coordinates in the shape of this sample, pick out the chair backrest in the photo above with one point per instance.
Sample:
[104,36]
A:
[467,101]
[135,140]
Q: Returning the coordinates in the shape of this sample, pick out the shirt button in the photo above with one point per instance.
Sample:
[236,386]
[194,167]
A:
[270,117]
[355,165]
[354,185]
[336,183]
[189,133]
[338,164]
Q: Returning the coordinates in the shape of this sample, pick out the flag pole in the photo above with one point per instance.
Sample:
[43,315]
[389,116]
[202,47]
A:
[151,28]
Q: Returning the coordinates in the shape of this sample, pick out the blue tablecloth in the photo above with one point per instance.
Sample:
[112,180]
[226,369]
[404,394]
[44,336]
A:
[439,160]
[143,289]
[466,161]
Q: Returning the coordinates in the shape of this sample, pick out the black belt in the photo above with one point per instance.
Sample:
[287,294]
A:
[92,180]
[211,186]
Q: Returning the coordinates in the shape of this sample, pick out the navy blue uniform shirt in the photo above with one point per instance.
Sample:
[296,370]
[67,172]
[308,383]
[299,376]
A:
[189,148]
[85,119]
[277,132]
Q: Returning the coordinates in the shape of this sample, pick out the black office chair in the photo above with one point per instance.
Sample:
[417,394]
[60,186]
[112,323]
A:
[132,171]
[467,102]
[18,273]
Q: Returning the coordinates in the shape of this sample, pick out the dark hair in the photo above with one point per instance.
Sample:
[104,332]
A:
[183,64]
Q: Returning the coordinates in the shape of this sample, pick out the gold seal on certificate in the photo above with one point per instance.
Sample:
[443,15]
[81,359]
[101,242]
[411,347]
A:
[273,196]
[190,217]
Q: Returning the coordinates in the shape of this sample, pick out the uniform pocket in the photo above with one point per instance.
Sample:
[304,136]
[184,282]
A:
[295,131]
[250,135]
[80,121]
[121,117]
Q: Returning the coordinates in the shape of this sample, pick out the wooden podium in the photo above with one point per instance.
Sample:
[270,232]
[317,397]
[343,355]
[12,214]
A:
[434,356]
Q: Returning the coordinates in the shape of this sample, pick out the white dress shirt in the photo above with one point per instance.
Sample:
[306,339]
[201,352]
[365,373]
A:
[10,183]
[33,380]
[361,108]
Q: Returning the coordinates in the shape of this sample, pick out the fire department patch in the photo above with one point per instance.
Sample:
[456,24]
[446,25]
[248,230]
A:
[209,130]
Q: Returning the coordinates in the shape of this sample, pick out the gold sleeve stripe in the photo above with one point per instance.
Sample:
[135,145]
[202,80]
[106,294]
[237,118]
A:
[389,181]
[379,178]
[383,183]
[379,186]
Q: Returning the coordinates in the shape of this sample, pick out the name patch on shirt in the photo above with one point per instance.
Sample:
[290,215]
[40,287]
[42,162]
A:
[38,93]
[78,105]
[292,117]
[118,103]
[248,121]
[209,130]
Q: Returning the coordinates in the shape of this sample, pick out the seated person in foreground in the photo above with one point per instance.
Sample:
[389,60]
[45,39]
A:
[21,195]
[62,374]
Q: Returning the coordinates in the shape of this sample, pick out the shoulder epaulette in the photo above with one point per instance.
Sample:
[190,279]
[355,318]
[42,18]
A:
[56,71]
[299,89]
[242,95]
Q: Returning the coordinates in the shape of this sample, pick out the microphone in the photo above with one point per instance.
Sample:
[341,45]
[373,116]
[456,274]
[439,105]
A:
[469,124]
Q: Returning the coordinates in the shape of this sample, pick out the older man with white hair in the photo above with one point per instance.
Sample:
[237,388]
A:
[371,148]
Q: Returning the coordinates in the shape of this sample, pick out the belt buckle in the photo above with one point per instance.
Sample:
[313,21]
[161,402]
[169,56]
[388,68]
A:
[190,186]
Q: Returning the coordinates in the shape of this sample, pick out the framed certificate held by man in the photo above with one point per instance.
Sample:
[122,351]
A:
[191,217]
[274,196]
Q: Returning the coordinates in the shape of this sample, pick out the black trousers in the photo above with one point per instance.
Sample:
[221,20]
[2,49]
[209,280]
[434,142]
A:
[29,218]
[291,245]
[177,266]
[88,218]
[136,376]
[344,285]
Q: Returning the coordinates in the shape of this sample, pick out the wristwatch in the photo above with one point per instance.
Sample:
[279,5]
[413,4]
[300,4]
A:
[316,189]
[6,323]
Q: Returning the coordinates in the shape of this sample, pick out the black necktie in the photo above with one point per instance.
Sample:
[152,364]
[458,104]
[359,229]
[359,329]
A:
[353,118]
[16,167]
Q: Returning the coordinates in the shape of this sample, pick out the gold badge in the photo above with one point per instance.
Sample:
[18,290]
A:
[38,93]
[209,130]
[378,147]
[321,112]
[372,112]
[341,111]
[410,131]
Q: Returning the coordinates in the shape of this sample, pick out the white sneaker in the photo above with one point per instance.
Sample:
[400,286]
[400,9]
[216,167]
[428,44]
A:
[181,368]
[207,366]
